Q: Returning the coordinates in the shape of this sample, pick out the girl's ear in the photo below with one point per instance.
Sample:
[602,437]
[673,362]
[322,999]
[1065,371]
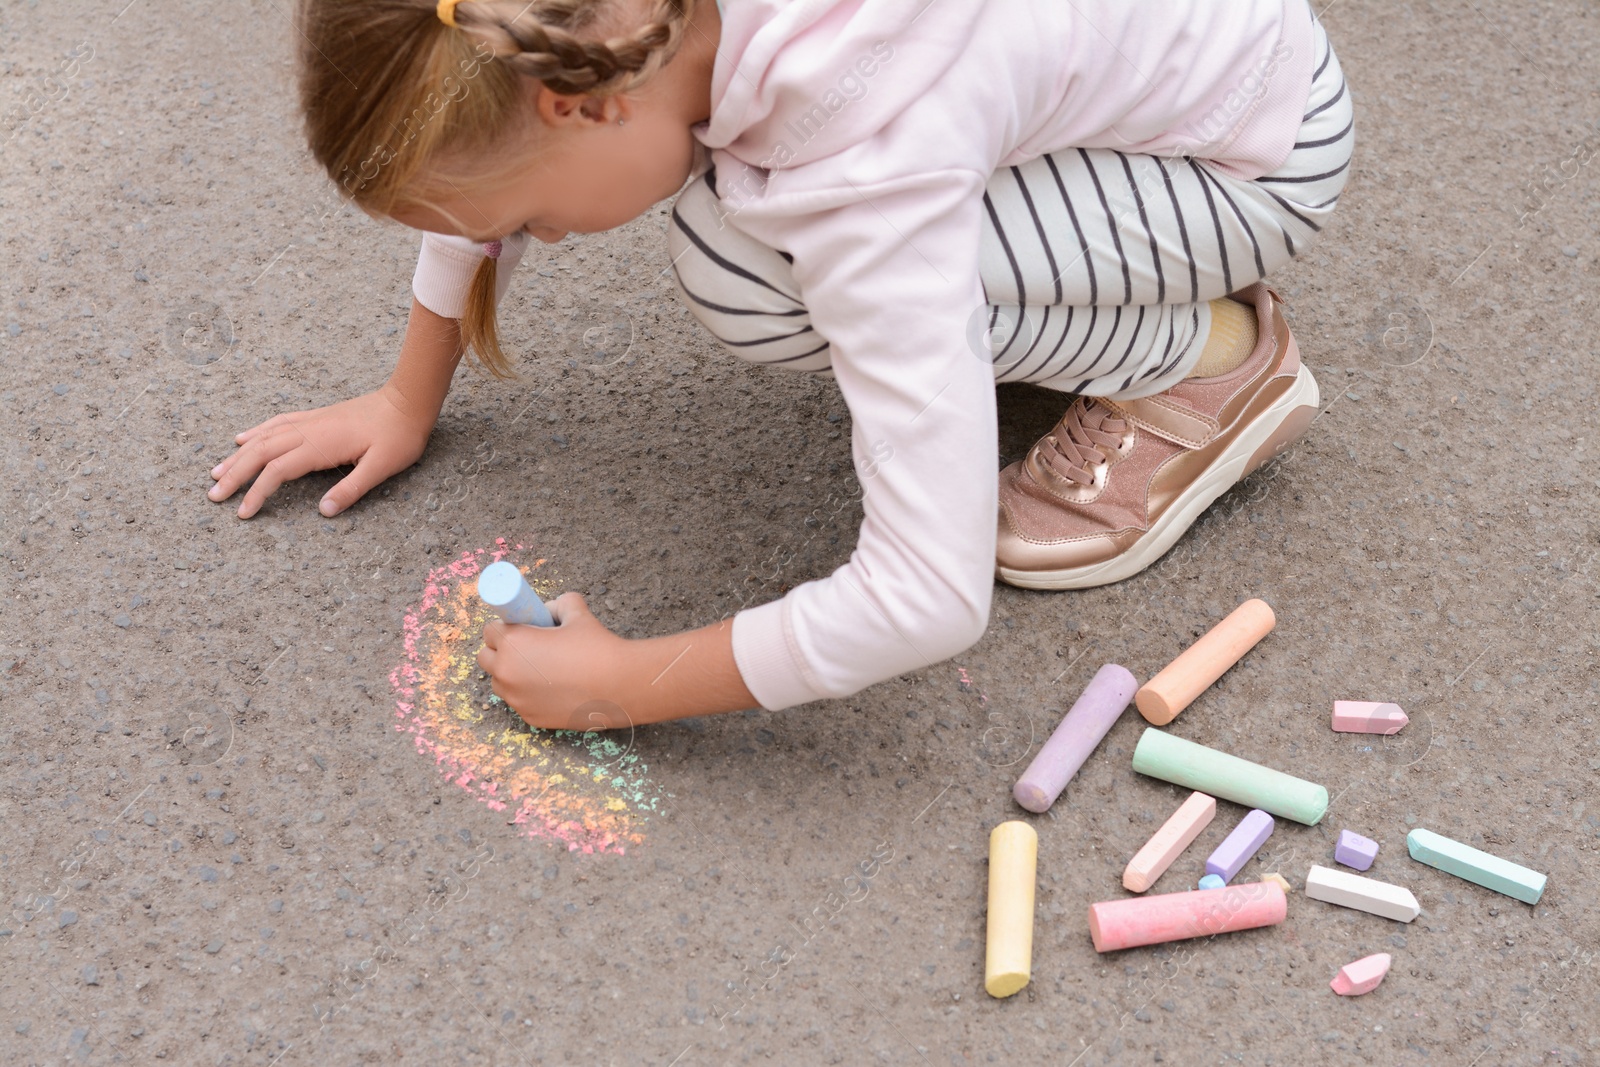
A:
[558,109]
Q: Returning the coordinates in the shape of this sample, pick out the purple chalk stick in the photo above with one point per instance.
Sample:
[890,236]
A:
[1251,833]
[1091,718]
[1356,851]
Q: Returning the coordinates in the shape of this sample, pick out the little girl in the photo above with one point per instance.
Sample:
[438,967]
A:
[917,198]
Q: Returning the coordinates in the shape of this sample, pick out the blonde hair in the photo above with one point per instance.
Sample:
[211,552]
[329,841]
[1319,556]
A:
[389,91]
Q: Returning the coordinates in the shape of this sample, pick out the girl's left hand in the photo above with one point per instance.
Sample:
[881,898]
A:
[570,676]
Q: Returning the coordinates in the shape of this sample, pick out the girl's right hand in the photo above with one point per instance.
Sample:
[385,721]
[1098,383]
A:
[375,432]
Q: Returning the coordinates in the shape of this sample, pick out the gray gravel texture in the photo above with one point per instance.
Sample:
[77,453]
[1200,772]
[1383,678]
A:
[218,849]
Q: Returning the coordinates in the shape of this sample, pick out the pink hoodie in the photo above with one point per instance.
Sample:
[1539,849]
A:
[858,136]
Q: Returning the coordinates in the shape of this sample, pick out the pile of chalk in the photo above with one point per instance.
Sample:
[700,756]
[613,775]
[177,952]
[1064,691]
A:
[1216,907]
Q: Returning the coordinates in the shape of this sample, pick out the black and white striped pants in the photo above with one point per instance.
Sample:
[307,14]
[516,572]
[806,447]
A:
[1097,265]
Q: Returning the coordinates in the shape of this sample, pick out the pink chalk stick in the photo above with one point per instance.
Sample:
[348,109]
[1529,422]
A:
[1069,747]
[1175,835]
[1135,921]
[1367,717]
[1362,976]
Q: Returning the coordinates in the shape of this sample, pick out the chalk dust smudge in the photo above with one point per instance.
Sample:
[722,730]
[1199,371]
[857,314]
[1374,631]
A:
[585,790]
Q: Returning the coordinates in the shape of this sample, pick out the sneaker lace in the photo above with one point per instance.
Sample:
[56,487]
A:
[1082,438]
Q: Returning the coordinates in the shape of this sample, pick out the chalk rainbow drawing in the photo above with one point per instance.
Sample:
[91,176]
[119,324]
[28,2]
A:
[586,790]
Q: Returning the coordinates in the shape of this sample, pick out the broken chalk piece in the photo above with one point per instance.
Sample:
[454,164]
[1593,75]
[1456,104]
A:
[503,588]
[1091,718]
[1367,717]
[1154,920]
[1362,976]
[1213,881]
[1175,835]
[1362,894]
[1475,865]
[1356,851]
[1202,663]
[1172,759]
[1237,848]
[1013,870]
[1280,879]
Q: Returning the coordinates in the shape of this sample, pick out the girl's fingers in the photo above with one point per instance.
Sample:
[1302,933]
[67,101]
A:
[265,427]
[285,468]
[486,657]
[568,608]
[246,463]
[493,634]
[352,487]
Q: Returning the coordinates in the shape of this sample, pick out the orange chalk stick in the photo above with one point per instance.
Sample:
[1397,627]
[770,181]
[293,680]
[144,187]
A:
[1175,835]
[1161,698]
[1135,921]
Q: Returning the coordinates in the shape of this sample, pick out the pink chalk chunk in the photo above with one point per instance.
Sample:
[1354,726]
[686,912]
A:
[1362,976]
[1091,718]
[1367,717]
[1356,851]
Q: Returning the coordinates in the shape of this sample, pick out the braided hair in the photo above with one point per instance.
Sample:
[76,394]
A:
[388,90]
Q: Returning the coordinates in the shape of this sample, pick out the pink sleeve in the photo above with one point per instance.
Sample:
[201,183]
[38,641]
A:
[888,272]
[445,267]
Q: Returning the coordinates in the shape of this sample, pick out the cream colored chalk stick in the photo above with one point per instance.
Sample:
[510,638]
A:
[1161,698]
[1362,894]
[1280,879]
[1168,843]
[1013,868]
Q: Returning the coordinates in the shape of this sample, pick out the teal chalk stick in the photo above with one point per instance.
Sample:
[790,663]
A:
[1475,865]
[1172,759]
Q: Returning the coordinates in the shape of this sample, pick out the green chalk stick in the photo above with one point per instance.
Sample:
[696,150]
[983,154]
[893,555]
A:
[1172,759]
[1464,861]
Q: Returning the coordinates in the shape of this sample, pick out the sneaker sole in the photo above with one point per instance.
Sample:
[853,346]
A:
[1277,428]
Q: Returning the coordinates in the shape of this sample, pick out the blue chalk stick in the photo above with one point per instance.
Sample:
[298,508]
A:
[504,589]
[1464,861]
[1212,881]
[1251,833]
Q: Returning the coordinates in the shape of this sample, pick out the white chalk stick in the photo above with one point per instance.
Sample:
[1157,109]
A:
[1362,894]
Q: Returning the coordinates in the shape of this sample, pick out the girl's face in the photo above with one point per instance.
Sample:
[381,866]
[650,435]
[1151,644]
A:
[593,163]
[600,164]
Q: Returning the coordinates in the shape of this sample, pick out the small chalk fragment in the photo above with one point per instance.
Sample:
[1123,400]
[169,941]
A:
[1367,717]
[1212,881]
[1172,759]
[1154,920]
[1202,663]
[1013,870]
[1362,976]
[1356,851]
[1175,835]
[503,588]
[1475,865]
[1362,894]
[1237,848]
[1091,718]
[1280,879]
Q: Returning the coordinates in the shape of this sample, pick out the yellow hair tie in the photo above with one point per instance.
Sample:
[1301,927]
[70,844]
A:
[447,11]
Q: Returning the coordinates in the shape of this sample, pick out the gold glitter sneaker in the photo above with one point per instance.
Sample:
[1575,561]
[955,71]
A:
[1117,482]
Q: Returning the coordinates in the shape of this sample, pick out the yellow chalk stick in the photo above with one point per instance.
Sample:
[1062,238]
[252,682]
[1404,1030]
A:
[1013,868]
[1280,879]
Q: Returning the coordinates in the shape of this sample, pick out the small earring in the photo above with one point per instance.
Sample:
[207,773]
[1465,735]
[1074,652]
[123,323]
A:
[622,122]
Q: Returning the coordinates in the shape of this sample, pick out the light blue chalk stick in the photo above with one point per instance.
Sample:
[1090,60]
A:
[1464,861]
[1212,881]
[503,588]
